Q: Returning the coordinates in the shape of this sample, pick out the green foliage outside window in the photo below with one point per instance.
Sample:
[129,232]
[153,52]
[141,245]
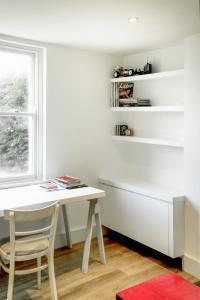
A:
[13,129]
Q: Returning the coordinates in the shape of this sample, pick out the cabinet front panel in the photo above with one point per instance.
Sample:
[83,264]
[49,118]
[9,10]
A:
[141,218]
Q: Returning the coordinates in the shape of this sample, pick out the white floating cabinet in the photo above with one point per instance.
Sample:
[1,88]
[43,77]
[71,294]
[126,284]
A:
[145,214]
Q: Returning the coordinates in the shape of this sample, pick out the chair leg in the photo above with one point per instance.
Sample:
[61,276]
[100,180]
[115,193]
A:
[39,273]
[11,280]
[52,279]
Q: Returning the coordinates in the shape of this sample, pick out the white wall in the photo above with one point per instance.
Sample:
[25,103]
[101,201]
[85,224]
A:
[164,59]
[192,154]
[78,118]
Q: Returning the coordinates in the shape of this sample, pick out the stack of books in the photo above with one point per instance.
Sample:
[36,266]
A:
[143,102]
[63,182]
[127,102]
[69,182]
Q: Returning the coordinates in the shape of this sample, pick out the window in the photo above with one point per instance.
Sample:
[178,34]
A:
[21,107]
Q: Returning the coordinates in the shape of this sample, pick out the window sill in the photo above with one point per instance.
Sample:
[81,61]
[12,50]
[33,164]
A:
[20,183]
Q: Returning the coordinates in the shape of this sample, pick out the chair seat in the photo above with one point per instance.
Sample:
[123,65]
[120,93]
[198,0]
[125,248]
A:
[27,248]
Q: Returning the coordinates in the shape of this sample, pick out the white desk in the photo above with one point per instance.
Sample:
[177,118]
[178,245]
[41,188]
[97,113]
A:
[32,196]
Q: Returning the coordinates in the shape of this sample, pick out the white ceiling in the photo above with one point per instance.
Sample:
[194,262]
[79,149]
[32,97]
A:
[101,25]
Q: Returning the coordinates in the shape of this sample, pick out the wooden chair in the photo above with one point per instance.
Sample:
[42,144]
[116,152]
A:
[28,245]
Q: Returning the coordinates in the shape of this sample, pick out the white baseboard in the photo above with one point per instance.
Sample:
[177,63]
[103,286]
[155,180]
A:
[191,265]
[77,236]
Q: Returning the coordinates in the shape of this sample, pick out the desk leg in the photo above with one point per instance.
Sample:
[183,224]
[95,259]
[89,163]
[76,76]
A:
[100,235]
[93,211]
[66,224]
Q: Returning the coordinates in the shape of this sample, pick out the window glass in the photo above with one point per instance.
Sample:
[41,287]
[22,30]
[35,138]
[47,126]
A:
[21,107]
[16,81]
[14,146]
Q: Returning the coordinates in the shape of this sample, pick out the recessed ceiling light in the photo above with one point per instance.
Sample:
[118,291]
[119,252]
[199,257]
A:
[133,19]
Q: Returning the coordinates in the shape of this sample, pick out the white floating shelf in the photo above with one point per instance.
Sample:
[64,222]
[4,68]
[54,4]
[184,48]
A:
[134,139]
[149,109]
[159,75]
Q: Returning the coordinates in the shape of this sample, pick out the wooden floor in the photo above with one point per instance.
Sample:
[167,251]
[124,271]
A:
[125,267]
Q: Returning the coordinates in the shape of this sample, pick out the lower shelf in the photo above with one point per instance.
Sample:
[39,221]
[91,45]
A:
[134,139]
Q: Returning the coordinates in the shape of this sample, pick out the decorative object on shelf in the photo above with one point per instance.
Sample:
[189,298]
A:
[138,72]
[123,130]
[148,67]
[124,72]
[121,71]
[129,132]
[120,129]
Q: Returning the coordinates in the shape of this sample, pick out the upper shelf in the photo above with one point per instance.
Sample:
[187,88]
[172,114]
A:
[159,75]
[149,109]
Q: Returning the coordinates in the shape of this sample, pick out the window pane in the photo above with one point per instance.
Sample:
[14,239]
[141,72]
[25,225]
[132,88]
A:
[15,81]
[14,146]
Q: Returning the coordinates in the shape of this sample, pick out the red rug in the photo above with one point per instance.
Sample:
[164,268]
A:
[169,286]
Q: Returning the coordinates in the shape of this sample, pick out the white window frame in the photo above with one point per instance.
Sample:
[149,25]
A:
[38,114]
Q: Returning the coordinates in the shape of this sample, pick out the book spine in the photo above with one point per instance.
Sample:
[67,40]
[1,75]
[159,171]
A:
[111,95]
[114,94]
[116,129]
[117,94]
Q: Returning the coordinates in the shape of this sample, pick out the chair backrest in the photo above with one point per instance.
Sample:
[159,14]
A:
[44,232]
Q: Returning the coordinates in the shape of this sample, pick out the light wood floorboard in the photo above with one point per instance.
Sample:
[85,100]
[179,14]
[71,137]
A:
[125,267]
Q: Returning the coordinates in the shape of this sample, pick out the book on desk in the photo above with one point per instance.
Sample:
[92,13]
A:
[63,182]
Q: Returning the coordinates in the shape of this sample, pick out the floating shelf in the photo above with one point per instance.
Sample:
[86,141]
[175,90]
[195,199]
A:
[149,109]
[159,75]
[161,142]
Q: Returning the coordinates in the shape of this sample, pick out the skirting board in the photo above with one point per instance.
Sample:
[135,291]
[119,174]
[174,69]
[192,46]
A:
[77,236]
[191,265]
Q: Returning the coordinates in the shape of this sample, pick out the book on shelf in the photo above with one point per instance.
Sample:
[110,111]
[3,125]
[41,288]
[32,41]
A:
[143,102]
[121,129]
[126,90]
[122,93]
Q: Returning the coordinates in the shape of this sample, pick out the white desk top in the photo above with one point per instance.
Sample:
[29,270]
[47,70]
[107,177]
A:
[34,195]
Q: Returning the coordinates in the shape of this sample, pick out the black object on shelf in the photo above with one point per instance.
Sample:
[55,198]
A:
[148,68]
